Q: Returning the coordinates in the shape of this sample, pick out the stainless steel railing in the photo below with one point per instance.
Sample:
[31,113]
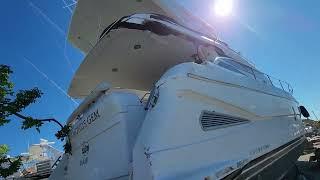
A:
[257,75]
[265,78]
[280,84]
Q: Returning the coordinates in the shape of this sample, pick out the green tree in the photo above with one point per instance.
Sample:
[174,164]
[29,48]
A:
[8,165]
[12,105]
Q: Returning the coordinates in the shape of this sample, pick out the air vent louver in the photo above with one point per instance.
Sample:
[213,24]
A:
[212,120]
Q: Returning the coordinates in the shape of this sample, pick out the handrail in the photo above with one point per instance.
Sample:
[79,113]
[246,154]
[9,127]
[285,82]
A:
[257,75]
[285,86]
[273,81]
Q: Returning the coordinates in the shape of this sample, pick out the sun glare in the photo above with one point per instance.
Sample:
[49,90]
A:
[223,7]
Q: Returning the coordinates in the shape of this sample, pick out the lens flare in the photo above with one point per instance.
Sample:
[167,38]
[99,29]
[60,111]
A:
[223,7]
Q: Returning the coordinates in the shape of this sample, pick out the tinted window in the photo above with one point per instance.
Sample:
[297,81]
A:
[239,66]
[236,67]
[229,67]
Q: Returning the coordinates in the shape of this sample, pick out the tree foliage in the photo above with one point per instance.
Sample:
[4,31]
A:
[11,106]
[8,165]
[13,103]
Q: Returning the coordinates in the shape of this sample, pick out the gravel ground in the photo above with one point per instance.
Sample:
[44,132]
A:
[306,169]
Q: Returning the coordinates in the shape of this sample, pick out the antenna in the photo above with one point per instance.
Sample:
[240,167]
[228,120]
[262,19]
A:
[49,150]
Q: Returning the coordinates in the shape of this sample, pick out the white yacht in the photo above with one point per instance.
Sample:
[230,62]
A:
[165,100]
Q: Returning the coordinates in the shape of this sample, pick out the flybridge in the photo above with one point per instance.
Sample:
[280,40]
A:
[136,50]
[151,43]
[90,19]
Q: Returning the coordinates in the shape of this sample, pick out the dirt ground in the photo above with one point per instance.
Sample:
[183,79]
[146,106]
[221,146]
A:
[308,170]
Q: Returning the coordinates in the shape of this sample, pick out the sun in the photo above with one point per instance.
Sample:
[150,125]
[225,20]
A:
[223,7]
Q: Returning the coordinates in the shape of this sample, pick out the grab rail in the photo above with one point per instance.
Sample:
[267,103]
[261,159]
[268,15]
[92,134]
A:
[279,84]
[257,75]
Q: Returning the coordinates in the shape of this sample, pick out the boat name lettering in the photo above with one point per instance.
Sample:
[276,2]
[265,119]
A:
[87,121]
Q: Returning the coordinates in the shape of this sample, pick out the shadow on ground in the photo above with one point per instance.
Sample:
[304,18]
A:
[310,170]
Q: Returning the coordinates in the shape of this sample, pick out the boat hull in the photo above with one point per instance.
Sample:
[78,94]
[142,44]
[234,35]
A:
[204,126]
[273,165]
[200,122]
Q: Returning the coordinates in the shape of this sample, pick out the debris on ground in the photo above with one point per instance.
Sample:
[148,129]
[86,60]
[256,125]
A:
[308,165]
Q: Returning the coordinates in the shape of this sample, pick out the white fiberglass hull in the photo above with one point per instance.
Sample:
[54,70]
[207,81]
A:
[201,122]
[179,144]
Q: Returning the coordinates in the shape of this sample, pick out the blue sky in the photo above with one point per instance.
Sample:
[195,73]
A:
[280,37]
[36,30]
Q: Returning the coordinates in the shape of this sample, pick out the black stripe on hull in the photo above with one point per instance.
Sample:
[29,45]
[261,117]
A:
[272,165]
